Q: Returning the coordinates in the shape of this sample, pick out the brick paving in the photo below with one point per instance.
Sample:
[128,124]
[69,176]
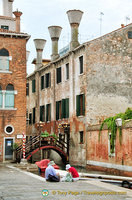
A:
[17,184]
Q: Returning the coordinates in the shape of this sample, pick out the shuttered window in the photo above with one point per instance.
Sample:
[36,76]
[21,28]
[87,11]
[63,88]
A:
[48,82]
[58,75]
[48,112]
[27,89]
[81,64]
[67,71]
[80,105]
[42,83]
[33,115]
[42,113]
[62,109]
[33,86]
[9,96]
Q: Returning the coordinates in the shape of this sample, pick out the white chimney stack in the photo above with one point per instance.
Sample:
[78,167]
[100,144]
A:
[54,32]
[39,44]
[7,8]
[74,17]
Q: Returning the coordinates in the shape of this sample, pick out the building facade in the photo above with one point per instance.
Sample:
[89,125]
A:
[87,84]
[12,81]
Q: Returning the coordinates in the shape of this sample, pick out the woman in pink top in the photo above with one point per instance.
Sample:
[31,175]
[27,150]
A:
[73,171]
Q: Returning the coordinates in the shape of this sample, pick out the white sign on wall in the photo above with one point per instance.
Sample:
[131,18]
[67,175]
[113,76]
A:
[19,136]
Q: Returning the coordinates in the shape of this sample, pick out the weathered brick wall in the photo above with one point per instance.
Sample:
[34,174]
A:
[97,149]
[16,118]
[109,75]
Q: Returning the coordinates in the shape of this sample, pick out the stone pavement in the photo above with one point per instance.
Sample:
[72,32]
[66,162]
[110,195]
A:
[17,184]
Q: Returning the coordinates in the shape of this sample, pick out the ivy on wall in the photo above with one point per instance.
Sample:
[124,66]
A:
[111,124]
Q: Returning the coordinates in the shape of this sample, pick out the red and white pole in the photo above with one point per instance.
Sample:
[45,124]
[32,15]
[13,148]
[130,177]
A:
[24,141]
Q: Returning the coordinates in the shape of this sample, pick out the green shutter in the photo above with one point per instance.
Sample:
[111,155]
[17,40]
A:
[67,108]
[9,99]
[63,113]
[83,104]
[46,112]
[33,115]
[49,112]
[33,86]
[42,82]
[57,110]
[40,113]
[78,105]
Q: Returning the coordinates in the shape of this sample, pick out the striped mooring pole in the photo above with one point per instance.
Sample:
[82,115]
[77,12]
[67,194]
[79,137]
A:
[24,140]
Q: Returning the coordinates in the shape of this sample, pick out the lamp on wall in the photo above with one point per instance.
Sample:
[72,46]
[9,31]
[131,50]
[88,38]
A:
[118,122]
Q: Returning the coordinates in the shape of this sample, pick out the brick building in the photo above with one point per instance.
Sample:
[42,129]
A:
[82,87]
[12,80]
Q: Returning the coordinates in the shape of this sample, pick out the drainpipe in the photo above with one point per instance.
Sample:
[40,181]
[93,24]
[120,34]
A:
[74,17]
[54,32]
[7,7]
[39,44]
[17,15]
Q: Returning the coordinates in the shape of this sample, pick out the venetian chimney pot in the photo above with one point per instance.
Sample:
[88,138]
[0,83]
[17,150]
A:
[7,8]
[17,15]
[54,32]
[74,17]
[39,45]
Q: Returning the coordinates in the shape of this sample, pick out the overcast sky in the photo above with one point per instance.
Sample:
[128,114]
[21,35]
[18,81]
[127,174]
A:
[39,14]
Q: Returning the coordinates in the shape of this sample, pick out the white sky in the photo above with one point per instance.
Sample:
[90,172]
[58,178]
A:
[39,14]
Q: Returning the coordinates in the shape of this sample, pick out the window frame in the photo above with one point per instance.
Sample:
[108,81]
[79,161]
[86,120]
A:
[81,65]
[58,75]
[80,105]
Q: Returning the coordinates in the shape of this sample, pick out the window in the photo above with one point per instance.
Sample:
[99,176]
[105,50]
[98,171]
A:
[58,75]
[33,86]
[67,71]
[9,96]
[4,60]
[80,105]
[27,89]
[58,110]
[111,150]
[42,82]
[30,118]
[9,129]
[81,64]
[47,81]
[81,137]
[48,112]
[33,115]
[42,113]
[62,109]
[4,27]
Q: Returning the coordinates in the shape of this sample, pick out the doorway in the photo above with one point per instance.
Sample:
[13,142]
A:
[8,148]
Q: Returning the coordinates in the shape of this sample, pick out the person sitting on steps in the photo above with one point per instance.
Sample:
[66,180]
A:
[50,173]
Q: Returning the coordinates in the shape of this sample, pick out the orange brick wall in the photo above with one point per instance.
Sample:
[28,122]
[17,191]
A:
[16,118]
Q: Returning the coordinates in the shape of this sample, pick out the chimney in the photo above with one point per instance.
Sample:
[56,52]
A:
[17,15]
[39,44]
[74,17]
[54,32]
[7,8]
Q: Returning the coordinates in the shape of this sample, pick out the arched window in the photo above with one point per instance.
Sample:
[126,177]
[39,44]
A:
[9,96]
[1,97]
[4,60]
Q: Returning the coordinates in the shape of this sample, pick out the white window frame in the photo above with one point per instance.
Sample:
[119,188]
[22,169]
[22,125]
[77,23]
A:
[3,101]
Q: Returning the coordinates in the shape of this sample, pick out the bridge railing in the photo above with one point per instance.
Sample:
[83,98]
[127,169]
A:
[37,142]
